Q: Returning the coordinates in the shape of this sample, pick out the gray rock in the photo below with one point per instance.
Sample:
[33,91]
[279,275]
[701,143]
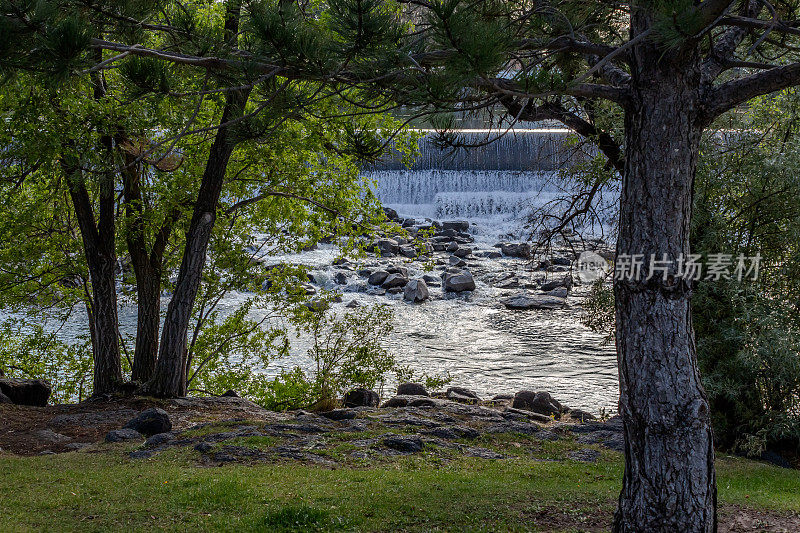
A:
[452,247]
[412,389]
[558,292]
[142,454]
[456,225]
[340,414]
[376,291]
[403,444]
[361,398]
[394,281]
[32,392]
[456,261]
[583,416]
[525,301]
[460,282]
[391,214]
[516,249]
[462,252]
[455,432]
[586,455]
[538,402]
[562,261]
[565,281]
[203,447]
[48,435]
[462,395]
[386,246]
[119,435]
[158,439]
[377,277]
[416,290]
[151,422]
[340,278]
[408,251]
[482,453]
[352,304]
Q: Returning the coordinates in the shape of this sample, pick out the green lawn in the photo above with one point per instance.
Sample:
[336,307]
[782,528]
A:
[107,491]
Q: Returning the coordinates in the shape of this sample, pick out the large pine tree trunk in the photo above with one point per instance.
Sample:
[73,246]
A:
[169,378]
[669,480]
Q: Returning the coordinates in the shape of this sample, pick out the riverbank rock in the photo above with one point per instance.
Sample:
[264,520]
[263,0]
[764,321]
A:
[462,395]
[460,282]
[416,290]
[519,249]
[524,301]
[538,402]
[565,281]
[32,392]
[412,389]
[361,398]
[150,422]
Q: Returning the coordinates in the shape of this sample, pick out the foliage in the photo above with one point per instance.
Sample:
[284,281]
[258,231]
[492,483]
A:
[346,353]
[27,350]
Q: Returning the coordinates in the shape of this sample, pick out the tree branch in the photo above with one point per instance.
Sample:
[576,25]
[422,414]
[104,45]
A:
[728,95]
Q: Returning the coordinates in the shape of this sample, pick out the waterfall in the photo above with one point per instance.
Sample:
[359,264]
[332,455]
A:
[497,183]
[521,150]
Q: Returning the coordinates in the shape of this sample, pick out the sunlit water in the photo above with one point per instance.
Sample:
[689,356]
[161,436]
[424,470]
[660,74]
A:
[474,339]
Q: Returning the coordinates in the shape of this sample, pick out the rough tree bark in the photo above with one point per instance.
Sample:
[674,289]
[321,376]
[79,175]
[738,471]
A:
[669,480]
[147,268]
[98,246]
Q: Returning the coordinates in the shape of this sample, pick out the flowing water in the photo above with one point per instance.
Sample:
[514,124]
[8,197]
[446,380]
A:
[482,345]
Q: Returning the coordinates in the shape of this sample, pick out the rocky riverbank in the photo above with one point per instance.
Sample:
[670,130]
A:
[231,429]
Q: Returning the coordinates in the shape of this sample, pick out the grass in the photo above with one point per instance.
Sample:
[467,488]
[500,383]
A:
[105,491]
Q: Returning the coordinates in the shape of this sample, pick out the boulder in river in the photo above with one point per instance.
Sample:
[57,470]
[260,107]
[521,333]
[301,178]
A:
[416,290]
[391,214]
[460,282]
[558,292]
[524,301]
[408,250]
[457,225]
[518,249]
[412,389]
[565,281]
[378,277]
[32,392]
[394,281]
[538,402]
[386,246]
[462,252]
[456,261]
[340,278]
[361,398]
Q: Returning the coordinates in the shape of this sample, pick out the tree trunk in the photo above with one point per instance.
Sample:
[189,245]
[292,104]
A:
[148,320]
[98,246]
[169,378]
[669,480]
